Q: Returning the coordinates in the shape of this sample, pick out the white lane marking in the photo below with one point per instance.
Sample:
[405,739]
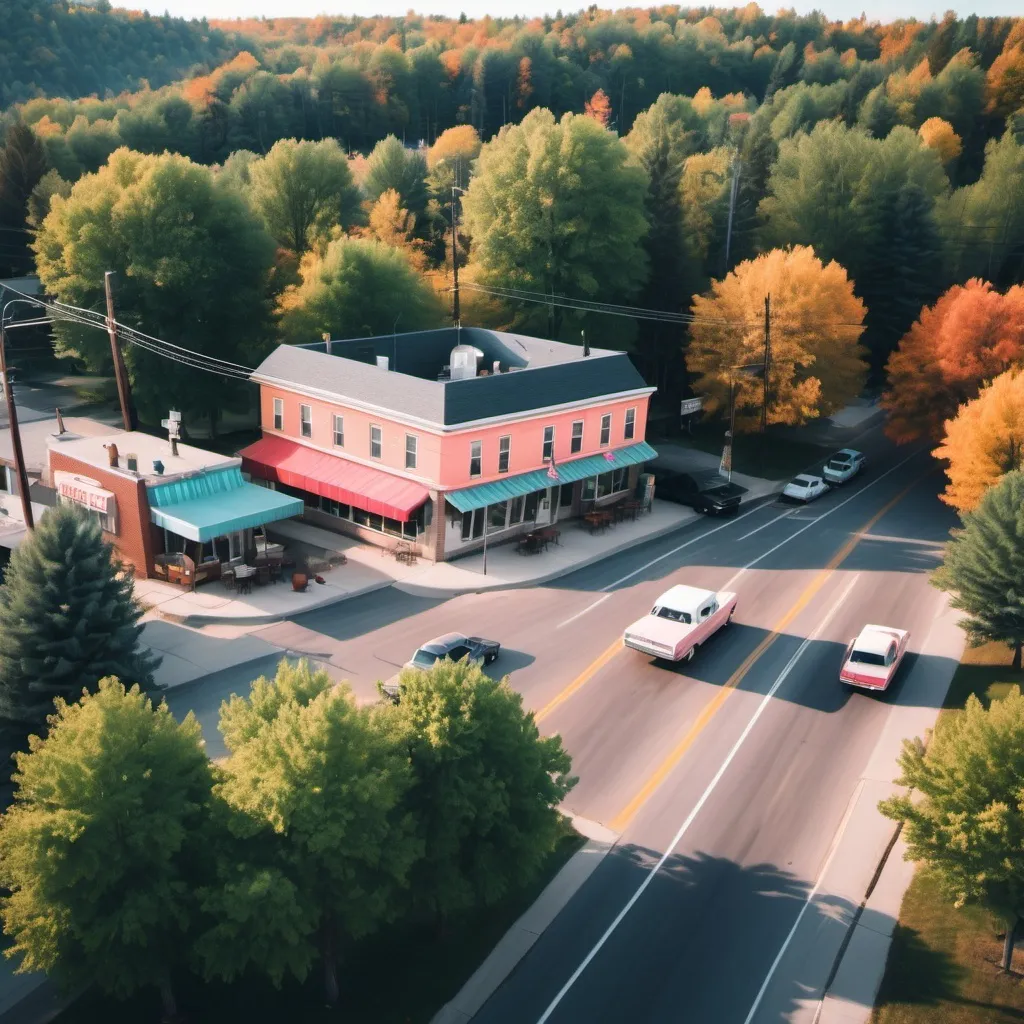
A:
[810,899]
[749,565]
[764,526]
[712,785]
[654,561]
[803,529]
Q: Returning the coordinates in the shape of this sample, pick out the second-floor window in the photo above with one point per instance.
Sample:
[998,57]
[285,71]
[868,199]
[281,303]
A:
[306,420]
[606,429]
[630,428]
[411,443]
[549,444]
[476,457]
[576,445]
[375,441]
[504,449]
[279,414]
[339,431]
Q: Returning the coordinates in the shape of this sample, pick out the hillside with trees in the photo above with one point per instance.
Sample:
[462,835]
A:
[64,48]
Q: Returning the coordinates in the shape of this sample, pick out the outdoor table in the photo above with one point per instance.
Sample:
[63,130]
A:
[549,535]
[597,521]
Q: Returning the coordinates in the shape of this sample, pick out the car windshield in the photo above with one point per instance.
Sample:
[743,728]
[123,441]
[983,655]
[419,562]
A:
[803,481]
[425,658]
[664,612]
[867,657]
[839,464]
[724,489]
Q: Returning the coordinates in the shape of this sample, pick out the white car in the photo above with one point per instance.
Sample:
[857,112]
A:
[805,488]
[682,619]
[843,466]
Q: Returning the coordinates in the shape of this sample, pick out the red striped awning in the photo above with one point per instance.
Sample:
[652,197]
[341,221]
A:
[285,462]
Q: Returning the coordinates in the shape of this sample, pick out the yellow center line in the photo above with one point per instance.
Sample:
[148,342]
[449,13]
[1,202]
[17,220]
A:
[580,681]
[626,815]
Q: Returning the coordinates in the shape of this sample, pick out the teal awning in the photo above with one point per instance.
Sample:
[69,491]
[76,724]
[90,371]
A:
[470,498]
[214,504]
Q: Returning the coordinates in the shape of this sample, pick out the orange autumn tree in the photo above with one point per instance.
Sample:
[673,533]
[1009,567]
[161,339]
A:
[599,107]
[938,134]
[985,441]
[972,334]
[817,363]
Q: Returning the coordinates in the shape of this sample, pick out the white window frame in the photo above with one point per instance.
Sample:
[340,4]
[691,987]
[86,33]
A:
[548,447]
[576,440]
[629,429]
[411,453]
[279,414]
[376,440]
[306,420]
[504,452]
[476,455]
[606,430]
[338,423]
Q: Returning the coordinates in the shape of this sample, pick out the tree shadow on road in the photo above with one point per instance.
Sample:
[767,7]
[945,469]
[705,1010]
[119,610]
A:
[702,936]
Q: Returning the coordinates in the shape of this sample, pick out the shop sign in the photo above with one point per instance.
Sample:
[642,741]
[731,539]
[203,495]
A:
[83,490]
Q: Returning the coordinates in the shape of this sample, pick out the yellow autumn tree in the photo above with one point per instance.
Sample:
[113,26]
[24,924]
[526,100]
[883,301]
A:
[985,441]
[817,363]
[459,143]
[704,195]
[938,134]
[389,222]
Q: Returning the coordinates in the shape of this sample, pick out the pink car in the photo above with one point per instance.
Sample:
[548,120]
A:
[871,659]
[681,620]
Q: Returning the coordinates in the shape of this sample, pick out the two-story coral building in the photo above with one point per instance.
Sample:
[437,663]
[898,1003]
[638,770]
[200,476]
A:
[437,436]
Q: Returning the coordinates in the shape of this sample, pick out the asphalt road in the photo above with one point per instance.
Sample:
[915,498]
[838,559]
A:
[730,776]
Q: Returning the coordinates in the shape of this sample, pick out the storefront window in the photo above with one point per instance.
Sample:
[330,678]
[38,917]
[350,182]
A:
[515,514]
[609,483]
[496,516]
[532,501]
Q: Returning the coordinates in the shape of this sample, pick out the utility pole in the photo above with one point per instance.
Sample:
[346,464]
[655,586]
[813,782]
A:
[767,358]
[120,373]
[733,192]
[12,417]
[456,312]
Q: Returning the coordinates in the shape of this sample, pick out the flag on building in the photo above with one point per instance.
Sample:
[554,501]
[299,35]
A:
[725,466]
[552,472]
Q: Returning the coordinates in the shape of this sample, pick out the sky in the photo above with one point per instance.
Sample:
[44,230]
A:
[883,10]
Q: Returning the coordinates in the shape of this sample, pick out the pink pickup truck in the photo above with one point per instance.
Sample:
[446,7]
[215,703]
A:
[681,620]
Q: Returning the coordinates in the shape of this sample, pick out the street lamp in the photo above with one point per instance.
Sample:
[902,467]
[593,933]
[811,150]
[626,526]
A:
[12,413]
[746,370]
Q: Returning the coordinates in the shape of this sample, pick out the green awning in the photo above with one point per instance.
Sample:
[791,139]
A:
[482,495]
[215,504]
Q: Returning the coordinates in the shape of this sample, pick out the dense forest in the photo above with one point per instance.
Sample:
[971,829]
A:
[895,150]
[63,48]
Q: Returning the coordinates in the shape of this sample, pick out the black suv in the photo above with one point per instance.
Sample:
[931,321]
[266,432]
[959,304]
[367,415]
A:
[708,493]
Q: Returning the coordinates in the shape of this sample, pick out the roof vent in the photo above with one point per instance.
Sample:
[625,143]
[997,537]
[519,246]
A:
[158,467]
[382,362]
[111,455]
[497,366]
[133,463]
[327,342]
[464,361]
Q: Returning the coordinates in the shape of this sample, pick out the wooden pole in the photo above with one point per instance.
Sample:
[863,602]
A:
[120,373]
[12,416]
[456,311]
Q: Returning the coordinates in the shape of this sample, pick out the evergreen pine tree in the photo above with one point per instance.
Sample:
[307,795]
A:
[984,568]
[66,621]
[22,163]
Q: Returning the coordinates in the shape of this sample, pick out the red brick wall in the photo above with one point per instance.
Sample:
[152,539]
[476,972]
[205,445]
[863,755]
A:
[134,541]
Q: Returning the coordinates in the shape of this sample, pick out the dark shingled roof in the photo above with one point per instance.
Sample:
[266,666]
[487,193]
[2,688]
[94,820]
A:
[540,373]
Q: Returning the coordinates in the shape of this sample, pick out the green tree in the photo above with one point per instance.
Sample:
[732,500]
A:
[321,783]
[983,566]
[101,847]
[486,786]
[966,820]
[67,619]
[661,139]
[22,163]
[49,185]
[302,190]
[193,265]
[534,220]
[358,286]
[392,166]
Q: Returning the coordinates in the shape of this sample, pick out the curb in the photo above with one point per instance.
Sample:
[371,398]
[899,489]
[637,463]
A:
[266,618]
[519,939]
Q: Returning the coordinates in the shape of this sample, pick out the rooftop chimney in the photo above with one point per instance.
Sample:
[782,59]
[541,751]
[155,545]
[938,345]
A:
[382,362]
[497,366]
[112,454]
[60,423]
